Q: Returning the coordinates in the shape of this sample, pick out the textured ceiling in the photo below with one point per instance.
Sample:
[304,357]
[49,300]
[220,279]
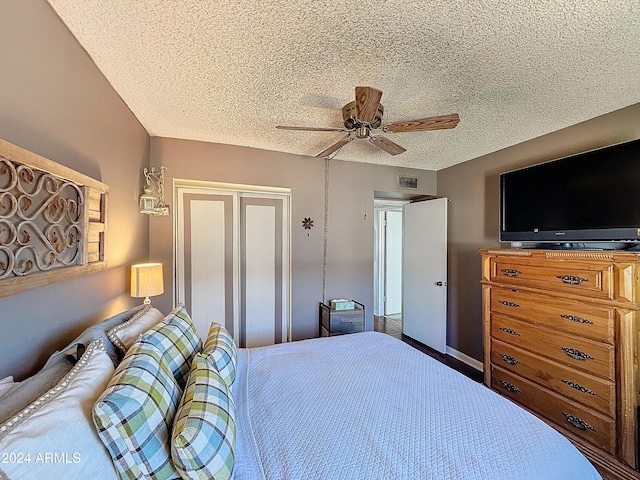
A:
[230,71]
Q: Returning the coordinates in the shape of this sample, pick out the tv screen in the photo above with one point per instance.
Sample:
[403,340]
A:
[591,196]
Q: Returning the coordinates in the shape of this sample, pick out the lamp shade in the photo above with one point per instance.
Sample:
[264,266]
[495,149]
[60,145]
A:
[146,280]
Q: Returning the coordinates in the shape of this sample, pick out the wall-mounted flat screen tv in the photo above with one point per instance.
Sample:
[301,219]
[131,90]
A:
[589,197]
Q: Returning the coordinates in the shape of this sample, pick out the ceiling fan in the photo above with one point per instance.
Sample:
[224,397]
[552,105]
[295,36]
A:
[363,119]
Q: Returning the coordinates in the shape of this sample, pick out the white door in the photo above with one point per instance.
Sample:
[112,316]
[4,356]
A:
[232,261]
[424,272]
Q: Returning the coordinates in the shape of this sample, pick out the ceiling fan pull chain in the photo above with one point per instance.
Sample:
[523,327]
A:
[325,233]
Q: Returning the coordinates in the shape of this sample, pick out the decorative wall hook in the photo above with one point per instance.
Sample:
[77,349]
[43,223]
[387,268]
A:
[152,200]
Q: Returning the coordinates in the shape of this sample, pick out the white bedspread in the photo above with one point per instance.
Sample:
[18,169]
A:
[368,406]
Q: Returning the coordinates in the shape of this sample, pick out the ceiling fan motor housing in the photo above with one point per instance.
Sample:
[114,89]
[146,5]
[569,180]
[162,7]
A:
[349,115]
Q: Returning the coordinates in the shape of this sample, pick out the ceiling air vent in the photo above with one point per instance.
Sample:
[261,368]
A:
[407,182]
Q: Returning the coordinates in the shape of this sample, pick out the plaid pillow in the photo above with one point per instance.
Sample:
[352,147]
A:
[177,339]
[220,349]
[134,415]
[204,431]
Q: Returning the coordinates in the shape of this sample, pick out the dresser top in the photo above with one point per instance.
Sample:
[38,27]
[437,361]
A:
[607,255]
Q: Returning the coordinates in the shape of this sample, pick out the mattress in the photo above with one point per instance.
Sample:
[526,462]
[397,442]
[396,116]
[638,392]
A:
[368,406]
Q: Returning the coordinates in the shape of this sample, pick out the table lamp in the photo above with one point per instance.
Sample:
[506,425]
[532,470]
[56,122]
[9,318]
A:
[146,281]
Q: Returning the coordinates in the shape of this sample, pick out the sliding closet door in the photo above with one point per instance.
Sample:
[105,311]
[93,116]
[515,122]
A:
[205,269]
[262,271]
[232,261]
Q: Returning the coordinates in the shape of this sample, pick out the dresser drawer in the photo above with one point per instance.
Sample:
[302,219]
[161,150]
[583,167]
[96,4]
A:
[582,421]
[587,355]
[582,319]
[586,389]
[347,321]
[592,279]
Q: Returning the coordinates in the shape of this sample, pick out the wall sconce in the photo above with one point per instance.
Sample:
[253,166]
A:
[152,200]
[146,281]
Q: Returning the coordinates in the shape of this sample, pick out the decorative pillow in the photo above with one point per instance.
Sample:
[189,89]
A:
[53,437]
[204,431]
[221,350]
[134,415]
[177,339]
[5,384]
[30,389]
[126,333]
[99,330]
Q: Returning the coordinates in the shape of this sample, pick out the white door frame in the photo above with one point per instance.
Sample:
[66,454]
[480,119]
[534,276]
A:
[183,186]
[379,207]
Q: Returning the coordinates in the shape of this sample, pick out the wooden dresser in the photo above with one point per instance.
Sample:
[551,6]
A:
[561,336]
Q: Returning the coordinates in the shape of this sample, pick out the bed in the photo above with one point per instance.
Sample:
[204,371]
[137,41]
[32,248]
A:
[141,395]
[369,406]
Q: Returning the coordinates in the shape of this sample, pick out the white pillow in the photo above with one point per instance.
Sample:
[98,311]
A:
[5,384]
[126,333]
[54,436]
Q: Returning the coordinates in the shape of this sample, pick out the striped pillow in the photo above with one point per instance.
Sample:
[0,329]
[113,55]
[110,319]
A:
[220,350]
[204,431]
[134,414]
[177,339]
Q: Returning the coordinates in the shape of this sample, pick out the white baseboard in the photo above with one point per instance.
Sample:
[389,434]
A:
[472,362]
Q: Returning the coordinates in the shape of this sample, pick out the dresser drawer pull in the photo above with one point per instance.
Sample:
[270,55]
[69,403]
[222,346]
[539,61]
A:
[577,354]
[509,331]
[509,359]
[573,318]
[576,422]
[572,279]
[578,387]
[510,387]
[508,304]
[510,272]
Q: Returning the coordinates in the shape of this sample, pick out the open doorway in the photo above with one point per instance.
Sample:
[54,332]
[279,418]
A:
[388,265]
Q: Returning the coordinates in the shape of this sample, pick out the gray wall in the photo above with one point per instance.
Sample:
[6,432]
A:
[55,102]
[473,190]
[350,234]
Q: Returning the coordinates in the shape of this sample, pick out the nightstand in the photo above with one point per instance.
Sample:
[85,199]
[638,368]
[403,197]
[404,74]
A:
[340,322]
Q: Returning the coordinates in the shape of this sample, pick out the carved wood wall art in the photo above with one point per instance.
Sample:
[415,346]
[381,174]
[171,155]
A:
[52,221]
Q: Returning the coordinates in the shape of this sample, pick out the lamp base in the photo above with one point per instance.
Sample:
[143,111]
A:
[147,301]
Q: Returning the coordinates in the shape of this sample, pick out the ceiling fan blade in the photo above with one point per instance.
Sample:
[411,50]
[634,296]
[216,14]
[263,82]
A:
[421,124]
[387,145]
[312,129]
[335,147]
[367,101]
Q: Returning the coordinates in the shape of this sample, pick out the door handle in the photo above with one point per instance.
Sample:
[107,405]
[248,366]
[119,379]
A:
[440,284]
